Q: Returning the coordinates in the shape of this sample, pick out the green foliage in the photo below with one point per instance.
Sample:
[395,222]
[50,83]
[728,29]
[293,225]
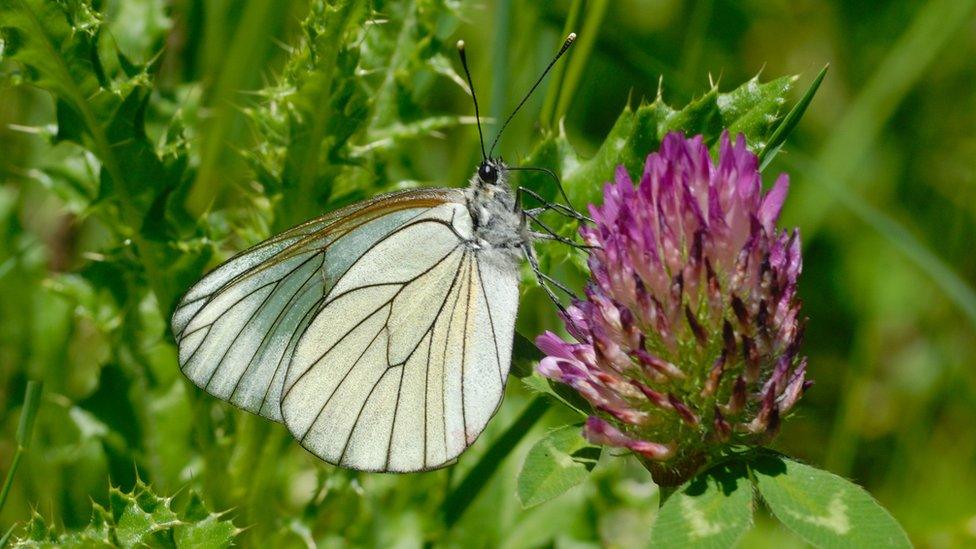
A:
[824,509]
[138,518]
[751,109]
[101,99]
[789,123]
[713,509]
[557,462]
[142,141]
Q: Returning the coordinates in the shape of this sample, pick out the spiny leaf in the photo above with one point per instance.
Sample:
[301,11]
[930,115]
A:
[713,509]
[751,109]
[100,105]
[138,518]
[824,509]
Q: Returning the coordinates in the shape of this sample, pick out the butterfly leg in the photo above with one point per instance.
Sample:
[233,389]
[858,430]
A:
[545,280]
[551,234]
[546,205]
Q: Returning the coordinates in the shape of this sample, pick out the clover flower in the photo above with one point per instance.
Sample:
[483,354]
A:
[687,339]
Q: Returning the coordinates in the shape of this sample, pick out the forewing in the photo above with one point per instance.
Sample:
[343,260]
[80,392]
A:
[406,361]
[237,328]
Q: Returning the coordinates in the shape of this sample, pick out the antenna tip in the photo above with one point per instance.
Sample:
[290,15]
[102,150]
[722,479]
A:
[460,45]
[571,37]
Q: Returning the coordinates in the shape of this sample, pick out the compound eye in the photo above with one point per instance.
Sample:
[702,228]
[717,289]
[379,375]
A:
[488,173]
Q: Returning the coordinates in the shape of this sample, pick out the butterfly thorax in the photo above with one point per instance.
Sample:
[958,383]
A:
[497,221]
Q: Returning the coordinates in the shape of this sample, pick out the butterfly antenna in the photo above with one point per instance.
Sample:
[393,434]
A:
[569,42]
[477,116]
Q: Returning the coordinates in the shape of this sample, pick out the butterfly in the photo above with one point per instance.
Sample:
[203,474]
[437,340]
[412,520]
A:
[380,334]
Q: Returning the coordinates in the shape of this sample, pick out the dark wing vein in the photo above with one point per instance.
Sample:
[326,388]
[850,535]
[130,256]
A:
[244,325]
[384,304]
[464,350]
[428,331]
[293,339]
[359,415]
[430,347]
[327,222]
[389,235]
[339,385]
[301,288]
[450,322]
[227,287]
[491,322]
[189,359]
[396,408]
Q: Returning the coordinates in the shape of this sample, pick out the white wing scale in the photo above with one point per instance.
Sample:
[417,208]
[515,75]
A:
[429,374]
[382,346]
[237,326]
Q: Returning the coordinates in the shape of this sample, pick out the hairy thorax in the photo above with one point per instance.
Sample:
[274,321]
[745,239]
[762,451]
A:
[498,223]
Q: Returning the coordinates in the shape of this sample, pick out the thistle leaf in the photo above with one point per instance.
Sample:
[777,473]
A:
[101,102]
[139,517]
[752,109]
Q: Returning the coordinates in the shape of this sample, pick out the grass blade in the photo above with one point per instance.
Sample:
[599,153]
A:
[458,500]
[789,123]
[593,22]
[961,293]
[32,401]
[555,85]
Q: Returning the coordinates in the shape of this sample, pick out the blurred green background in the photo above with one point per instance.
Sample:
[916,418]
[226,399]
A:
[261,121]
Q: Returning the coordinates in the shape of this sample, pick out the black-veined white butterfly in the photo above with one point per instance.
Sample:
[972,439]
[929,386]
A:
[380,334]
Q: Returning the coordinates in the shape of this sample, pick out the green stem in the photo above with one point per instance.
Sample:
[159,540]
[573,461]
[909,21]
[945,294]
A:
[583,49]
[32,401]
[500,69]
[258,24]
[458,500]
[556,79]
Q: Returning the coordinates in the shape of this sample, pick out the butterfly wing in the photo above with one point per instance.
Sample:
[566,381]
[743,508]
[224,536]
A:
[405,360]
[237,328]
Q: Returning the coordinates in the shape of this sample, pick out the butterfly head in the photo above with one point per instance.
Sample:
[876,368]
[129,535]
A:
[492,172]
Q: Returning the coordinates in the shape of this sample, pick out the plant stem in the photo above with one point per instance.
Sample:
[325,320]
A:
[458,500]
[584,46]
[32,400]
[499,62]
[556,80]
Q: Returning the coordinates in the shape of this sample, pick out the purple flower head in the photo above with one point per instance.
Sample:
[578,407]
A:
[687,339]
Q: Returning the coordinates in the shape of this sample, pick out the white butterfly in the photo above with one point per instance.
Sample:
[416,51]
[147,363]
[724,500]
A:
[380,334]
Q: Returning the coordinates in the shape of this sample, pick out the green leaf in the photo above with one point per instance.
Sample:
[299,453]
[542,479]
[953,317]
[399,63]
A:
[558,462]
[140,515]
[202,527]
[460,497]
[751,109]
[138,518]
[823,508]
[786,127]
[713,509]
